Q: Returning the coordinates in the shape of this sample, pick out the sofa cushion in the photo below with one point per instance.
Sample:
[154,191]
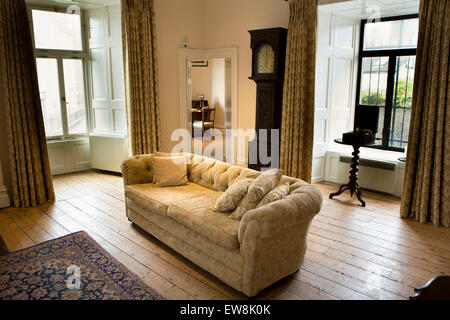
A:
[281,191]
[157,199]
[170,171]
[198,215]
[230,199]
[261,186]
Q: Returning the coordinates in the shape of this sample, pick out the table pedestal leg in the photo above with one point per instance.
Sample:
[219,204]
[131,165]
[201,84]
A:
[352,185]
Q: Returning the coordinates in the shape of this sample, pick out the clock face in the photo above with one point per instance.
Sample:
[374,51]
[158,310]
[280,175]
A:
[265,60]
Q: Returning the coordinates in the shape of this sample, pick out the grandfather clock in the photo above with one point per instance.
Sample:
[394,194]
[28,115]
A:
[268,56]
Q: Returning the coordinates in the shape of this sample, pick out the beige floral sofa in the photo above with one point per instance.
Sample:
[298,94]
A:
[267,245]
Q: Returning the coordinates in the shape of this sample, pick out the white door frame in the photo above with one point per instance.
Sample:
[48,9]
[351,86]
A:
[185,55]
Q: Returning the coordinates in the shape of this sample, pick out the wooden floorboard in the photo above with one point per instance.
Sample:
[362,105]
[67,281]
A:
[353,252]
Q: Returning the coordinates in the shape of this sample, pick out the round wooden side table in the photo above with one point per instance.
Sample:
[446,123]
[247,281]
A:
[352,185]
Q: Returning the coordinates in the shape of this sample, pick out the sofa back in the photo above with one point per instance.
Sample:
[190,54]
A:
[207,172]
[216,175]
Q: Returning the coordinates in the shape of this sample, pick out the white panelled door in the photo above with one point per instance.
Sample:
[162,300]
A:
[334,94]
[106,71]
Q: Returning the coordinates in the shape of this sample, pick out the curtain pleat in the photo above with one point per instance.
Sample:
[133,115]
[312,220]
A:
[427,175]
[297,127]
[141,75]
[31,179]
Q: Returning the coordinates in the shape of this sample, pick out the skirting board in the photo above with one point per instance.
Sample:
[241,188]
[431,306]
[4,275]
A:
[4,198]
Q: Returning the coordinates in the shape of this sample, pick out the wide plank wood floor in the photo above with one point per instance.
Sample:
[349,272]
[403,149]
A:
[353,252]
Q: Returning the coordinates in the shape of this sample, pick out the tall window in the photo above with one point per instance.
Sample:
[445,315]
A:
[60,59]
[387,59]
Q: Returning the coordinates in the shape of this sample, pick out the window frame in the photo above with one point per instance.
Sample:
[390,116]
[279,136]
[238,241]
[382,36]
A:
[392,54]
[61,55]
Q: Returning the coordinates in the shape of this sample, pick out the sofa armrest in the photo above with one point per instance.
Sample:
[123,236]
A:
[273,238]
[137,169]
[300,205]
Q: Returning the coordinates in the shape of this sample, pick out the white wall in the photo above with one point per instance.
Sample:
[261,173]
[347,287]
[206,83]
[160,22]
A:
[176,20]
[218,91]
[201,82]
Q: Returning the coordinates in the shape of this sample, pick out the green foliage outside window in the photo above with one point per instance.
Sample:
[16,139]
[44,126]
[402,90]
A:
[379,99]
[403,89]
[373,99]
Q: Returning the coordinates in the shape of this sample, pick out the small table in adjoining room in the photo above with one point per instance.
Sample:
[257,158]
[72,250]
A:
[205,117]
[352,185]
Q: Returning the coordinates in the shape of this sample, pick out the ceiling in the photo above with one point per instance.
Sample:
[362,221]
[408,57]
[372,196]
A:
[363,9]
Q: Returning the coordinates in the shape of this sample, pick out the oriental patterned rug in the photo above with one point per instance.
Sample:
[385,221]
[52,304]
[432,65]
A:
[74,267]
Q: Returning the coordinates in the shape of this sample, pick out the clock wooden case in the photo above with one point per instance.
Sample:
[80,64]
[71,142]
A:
[268,63]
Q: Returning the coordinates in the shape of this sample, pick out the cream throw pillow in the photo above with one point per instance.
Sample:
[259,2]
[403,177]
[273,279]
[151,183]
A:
[261,186]
[281,191]
[169,171]
[230,199]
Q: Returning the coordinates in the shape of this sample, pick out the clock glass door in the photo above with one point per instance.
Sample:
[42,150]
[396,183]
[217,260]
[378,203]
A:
[265,59]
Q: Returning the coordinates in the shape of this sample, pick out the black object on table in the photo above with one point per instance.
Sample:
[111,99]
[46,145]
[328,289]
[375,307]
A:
[352,185]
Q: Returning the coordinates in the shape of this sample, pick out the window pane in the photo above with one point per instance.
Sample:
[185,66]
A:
[404,81]
[379,135]
[402,100]
[374,81]
[50,97]
[75,98]
[397,34]
[56,30]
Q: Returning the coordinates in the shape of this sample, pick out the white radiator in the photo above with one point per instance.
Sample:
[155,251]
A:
[374,175]
[108,152]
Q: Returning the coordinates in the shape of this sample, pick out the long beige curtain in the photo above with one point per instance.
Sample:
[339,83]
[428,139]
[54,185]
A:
[426,194]
[141,75]
[297,127]
[29,165]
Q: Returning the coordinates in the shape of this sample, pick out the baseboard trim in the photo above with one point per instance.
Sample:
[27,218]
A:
[58,170]
[4,198]
[242,161]
[317,179]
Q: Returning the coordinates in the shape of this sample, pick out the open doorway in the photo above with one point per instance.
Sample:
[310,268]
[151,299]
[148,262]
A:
[211,97]
[208,100]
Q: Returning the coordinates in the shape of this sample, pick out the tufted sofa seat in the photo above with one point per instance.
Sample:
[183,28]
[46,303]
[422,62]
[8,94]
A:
[266,245]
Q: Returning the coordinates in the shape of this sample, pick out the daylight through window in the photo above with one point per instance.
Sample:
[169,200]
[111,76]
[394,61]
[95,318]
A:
[386,75]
